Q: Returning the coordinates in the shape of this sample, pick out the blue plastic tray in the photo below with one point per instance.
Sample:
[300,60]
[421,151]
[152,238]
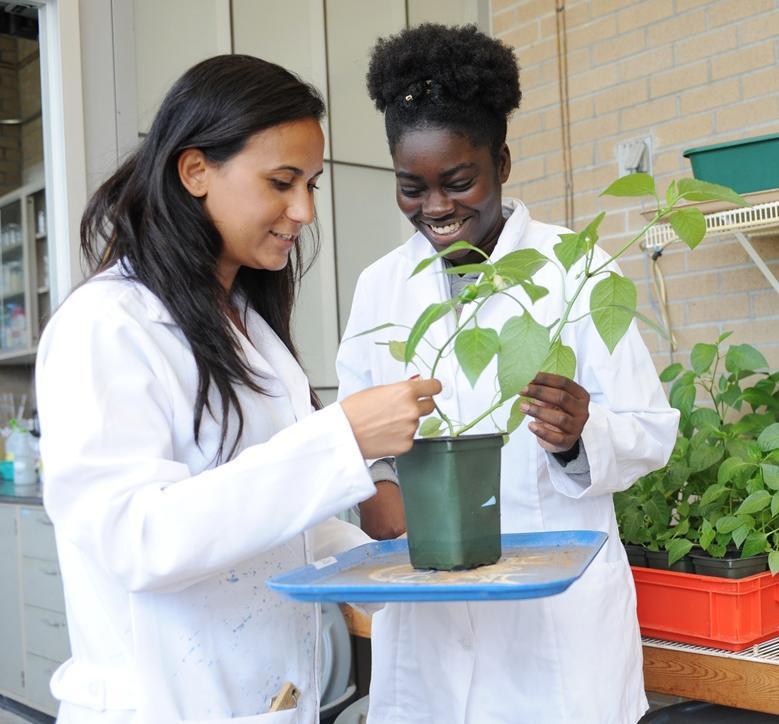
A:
[533,565]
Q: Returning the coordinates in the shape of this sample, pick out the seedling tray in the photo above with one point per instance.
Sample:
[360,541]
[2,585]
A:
[533,565]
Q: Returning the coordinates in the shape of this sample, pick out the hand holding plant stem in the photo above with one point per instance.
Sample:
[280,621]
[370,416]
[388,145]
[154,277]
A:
[524,347]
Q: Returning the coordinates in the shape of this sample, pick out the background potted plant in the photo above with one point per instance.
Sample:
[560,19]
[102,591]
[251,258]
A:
[450,523]
[718,496]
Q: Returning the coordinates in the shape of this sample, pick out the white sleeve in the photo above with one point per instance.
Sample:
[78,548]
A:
[114,488]
[631,429]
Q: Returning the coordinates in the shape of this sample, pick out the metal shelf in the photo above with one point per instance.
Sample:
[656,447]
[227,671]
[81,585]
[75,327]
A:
[766,652]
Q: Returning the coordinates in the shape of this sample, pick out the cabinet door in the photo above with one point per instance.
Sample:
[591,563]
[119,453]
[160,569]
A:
[11,649]
[15,298]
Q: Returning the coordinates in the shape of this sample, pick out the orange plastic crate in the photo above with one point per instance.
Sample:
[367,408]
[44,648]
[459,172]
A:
[705,610]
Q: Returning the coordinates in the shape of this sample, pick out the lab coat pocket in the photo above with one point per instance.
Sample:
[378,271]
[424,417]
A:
[288,716]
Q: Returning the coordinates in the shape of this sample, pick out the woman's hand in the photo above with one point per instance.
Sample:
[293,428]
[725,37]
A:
[382,517]
[560,407]
[385,418]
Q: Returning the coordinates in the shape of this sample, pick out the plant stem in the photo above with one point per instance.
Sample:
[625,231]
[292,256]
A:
[659,214]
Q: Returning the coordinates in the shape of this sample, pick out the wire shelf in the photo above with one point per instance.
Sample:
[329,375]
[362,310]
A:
[760,217]
[765,653]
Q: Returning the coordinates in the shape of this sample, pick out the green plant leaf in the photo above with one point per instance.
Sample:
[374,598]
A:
[398,350]
[712,493]
[573,247]
[744,357]
[704,457]
[728,468]
[769,439]
[775,505]
[520,265]
[678,549]
[561,360]
[754,503]
[516,416]
[706,535]
[705,418]
[634,184]
[755,544]
[702,356]
[773,562]
[386,325]
[431,427]
[611,321]
[457,246]
[770,475]
[671,372]
[431,314]
[534,291]
[727,524]
[695,190]
[740,534]
[683,398]
[474,349]
[524,345]
[723,337]
[689,225]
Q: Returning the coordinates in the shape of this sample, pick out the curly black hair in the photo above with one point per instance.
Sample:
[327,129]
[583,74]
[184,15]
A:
[452,77]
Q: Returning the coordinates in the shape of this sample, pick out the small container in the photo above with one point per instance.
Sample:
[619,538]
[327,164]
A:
[731,566]
[20,449]
[659,560]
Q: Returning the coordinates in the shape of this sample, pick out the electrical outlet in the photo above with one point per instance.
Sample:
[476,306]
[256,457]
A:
[635,156]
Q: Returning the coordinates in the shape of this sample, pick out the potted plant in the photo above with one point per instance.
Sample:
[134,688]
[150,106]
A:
[451,525]
[720,488]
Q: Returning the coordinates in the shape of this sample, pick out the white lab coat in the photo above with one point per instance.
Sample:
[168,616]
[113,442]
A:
[575,657]
[164,555]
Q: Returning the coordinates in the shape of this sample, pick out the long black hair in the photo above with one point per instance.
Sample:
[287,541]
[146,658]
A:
[445,77]
[144,217]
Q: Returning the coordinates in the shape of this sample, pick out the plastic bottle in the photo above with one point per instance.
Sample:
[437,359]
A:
[19,447]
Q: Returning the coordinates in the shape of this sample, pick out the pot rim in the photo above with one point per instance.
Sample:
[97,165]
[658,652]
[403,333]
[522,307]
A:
[455,438]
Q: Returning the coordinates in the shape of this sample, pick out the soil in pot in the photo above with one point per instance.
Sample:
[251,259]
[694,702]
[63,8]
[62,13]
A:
[731,566]
[451,494]
[659,559]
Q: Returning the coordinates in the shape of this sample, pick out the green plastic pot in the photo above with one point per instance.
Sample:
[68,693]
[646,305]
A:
[451,494]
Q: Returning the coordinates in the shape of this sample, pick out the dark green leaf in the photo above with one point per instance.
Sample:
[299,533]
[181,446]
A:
[689,225]
[607,297]
[744,357]
[683,398]
[754,503]
[634,184]
[524,345]
[705,418]
[695,190]
[561,360]
[474,349]
[704,457]
[432,314]
[431,427]
[670,372]
[702,356]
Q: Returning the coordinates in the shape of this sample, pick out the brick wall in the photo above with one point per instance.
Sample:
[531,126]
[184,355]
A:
[685,72]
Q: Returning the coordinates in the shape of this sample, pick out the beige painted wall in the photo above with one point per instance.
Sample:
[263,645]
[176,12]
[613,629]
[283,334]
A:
[685,72]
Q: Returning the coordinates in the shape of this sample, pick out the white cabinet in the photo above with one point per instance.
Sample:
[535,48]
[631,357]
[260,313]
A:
[33,630]
[24,272]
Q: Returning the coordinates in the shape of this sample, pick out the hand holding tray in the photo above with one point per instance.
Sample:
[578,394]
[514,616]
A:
[533,565]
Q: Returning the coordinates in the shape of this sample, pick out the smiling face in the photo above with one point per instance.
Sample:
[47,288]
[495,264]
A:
[260,198]
[450,190]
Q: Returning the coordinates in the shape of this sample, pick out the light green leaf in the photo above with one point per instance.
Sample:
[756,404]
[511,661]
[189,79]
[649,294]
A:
[677,549]
[671,372]
[723,337]
[524,345]
[431,427]
[561,360]
[759,500]
[672,192]
[431,314]
[516,416]
[705,418]
[740,534]
[474,348]
[386,325]
[727,524]
[728,467]
[689,225]
[704,457]
[706,534]
[773,562]
[755,544]
[744,357]
[574,246]
[634,184]
[487,269]
[696,190]
[534,291]
[702,356]
[457,246]
[769,439]
[683,398]
[398,350]
[611,321]
[712,493]
[520,265]
[775,505]
[770,475]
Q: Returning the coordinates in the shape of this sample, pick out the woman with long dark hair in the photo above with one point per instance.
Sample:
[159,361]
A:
[184,459]
[446,94]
